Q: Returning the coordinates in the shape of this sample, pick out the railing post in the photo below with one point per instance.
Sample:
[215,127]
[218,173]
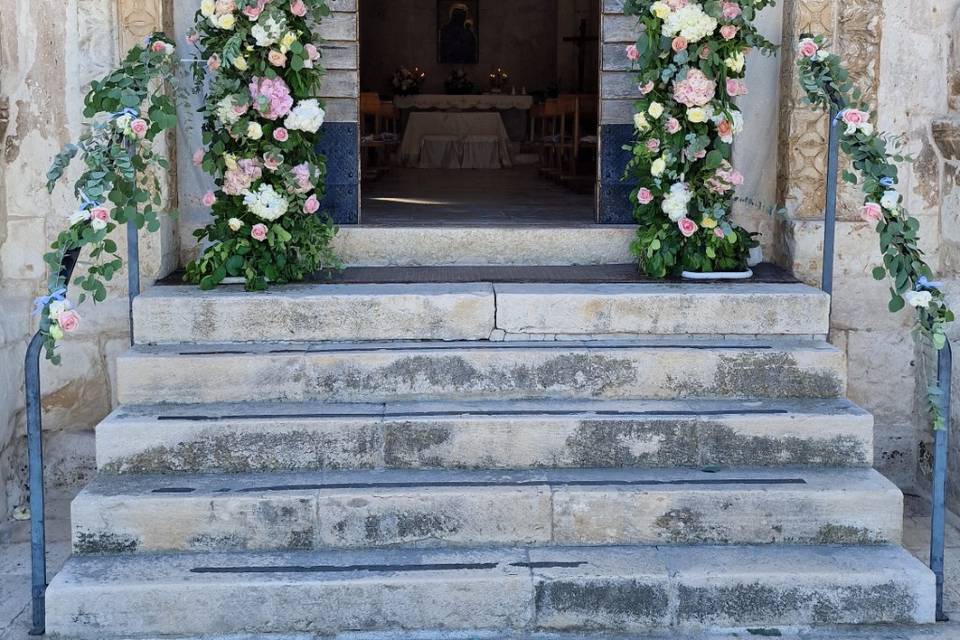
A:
[133,256]
[830,210]
[38,542]
[941,442]
[133,270]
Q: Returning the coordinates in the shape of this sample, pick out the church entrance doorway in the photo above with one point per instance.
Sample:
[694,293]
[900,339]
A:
[479,112]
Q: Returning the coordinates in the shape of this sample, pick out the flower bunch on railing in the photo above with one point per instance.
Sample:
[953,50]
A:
[259,134]
[827,85]
[690,58]
[130,108]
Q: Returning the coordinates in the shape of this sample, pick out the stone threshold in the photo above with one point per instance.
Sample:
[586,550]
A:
[527,274]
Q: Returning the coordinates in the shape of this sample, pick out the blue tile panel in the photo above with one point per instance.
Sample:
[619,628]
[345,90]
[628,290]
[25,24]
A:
[615,207]
[340,142]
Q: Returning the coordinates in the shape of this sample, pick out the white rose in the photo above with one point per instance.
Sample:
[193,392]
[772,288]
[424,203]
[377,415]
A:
[97,224]
[235,224]
[890,200]
[640,122]
[918,298]
[59,306]
[254,131]
[658,167]
[655,110]
[80,215]
[207,7]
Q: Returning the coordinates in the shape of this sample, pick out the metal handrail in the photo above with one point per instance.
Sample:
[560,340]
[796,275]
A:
[944,361]
[38,539]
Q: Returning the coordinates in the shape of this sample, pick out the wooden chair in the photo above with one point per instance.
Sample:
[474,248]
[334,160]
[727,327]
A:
[579,139]
[549,117]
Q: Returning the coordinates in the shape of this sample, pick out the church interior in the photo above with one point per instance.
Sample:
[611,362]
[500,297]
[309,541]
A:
[479,112]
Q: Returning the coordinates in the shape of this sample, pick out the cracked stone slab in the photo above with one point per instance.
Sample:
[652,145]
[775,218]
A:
[563,589]
[397,371]
[366,509]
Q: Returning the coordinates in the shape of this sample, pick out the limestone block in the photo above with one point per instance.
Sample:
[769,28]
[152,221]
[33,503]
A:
[166,315]
[340,55]
[23,249]
[619,28]
[341,110]
[77,393]
[69,461]
[375,372]
[618,85]
[662,309]
[616,111]
[450,246]
[497,435]
[881,373]
[132,595]
[340,84]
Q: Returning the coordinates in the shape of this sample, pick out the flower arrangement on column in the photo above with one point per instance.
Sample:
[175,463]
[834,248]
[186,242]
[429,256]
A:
[261,121]
[129,110]
[827,85]
[690,61]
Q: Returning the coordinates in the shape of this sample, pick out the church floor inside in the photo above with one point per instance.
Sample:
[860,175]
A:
[514,196]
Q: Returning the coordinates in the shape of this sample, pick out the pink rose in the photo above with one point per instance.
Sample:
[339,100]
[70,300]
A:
[280,134]
[736,87]
[718,232]
[276,58]
[298,8]
[139,127]
[808,48]
[213,63]
[855,117]
[871,212]
[673,125]
[209,199]
[99,213]
[728,31]
[704,52]
[312,51]
[687,227]
[193,38]
[301,175]
[644,196]
[679,44]
[312,205]
[676,4]
[725,130]
[653,144]
[158,47]
[633,53]
[253,11]
[259,232]
[731,10]
[198,157]
[241,109]
[68,320]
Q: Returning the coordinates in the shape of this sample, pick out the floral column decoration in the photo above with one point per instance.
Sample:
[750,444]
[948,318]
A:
[261,121]
[690,59]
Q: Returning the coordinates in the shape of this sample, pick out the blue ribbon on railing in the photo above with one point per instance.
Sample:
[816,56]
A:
[128,111]
[42,302]
[87,202]
[923,284]
[887,181]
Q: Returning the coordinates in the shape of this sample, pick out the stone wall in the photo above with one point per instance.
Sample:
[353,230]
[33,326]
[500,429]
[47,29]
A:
[49,51]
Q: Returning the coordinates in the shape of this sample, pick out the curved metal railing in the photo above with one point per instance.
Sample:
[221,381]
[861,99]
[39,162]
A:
[944,361]
[38,541]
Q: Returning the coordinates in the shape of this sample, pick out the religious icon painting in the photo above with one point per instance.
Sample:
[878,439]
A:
[458,31]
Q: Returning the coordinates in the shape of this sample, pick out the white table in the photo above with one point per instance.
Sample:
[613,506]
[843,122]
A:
[458,125]
[487,102]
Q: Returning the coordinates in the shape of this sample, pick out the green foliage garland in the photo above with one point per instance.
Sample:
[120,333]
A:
[690,62]
[259,134]
[827,85]
[119,185]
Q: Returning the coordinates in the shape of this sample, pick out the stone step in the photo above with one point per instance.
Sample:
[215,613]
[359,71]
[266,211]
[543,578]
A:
[622,589]
[248,437]
[385,371]
[476,311]
[553,245]
[363,509]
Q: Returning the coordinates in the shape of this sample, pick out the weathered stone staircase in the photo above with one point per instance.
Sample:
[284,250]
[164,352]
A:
[483,458]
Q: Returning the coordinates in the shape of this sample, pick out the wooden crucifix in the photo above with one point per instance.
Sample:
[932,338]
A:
[581,42]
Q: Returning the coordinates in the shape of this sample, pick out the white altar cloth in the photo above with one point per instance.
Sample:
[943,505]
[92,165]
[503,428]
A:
[488,102]
[461,125]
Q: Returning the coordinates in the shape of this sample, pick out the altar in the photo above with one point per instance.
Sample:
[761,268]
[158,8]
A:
[455,140]
[485,102]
